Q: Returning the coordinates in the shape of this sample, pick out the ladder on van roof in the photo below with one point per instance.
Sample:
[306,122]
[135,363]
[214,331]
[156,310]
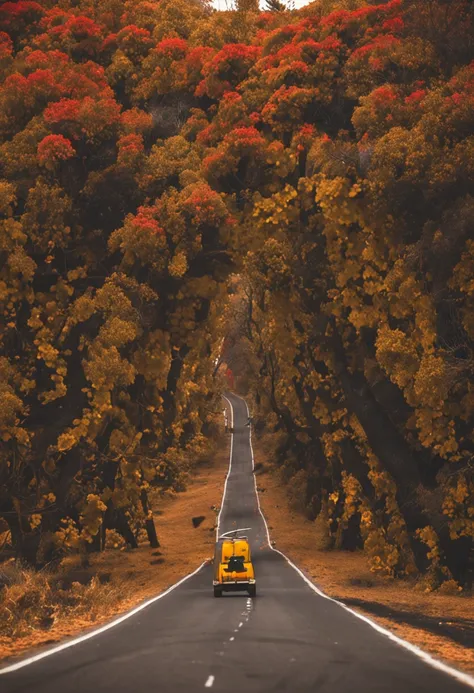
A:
[234,531]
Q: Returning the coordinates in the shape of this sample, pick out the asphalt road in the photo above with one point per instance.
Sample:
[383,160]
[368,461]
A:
[289,639]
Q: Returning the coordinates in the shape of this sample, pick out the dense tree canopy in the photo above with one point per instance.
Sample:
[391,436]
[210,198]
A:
[150,149]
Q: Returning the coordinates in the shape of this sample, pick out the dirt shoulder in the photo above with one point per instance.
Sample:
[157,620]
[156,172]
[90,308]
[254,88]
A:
[121,579]
[440,624]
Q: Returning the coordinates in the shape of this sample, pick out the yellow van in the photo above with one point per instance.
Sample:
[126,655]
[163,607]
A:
[233,569]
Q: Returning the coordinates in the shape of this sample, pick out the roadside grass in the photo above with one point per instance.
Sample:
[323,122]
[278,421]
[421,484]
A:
[42,607]
[32,600]
[442,624]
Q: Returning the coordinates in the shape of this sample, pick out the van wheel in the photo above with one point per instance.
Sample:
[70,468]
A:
[253,591]
[217,592]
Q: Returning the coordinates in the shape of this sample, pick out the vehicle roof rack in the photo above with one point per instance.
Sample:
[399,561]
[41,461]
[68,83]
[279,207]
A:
[234,531]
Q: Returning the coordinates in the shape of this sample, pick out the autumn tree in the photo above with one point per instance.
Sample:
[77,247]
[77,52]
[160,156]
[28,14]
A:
[109,301]
[149,150]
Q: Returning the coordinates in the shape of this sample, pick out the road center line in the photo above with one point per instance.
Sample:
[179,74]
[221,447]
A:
[209,682]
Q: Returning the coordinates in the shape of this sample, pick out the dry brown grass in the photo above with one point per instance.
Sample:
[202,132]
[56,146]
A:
[440,624]
[33,600]
[43,607]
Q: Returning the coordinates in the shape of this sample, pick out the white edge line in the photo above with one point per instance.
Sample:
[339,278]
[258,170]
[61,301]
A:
[414,649]
[98,631]
[230,466]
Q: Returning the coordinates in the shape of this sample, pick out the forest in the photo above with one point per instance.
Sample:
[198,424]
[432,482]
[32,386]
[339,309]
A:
[287,193]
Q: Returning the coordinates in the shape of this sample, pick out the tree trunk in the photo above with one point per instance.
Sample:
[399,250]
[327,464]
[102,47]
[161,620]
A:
[25,541]
[149,522]
[169,395]
[122,526]
[94,545]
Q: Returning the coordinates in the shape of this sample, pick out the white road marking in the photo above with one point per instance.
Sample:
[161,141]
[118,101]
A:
[240,624]
[232,638]
[427,658]
[209,682]
[87,636]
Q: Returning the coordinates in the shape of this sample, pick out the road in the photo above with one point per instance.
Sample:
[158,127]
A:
[288,640]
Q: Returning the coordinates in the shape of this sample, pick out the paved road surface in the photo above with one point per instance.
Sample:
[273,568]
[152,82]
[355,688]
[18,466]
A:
[287,640]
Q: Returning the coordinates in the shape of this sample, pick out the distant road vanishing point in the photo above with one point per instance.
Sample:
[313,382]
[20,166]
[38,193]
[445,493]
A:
[290,639]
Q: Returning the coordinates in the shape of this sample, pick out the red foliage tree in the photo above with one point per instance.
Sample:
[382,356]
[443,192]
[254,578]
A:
[227,68]
[6,46]
[130,149]
[174,48]
[17,17]
[53,149]
[133,41]
[145,222]
[83,118]
[135,120]
[204,205]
